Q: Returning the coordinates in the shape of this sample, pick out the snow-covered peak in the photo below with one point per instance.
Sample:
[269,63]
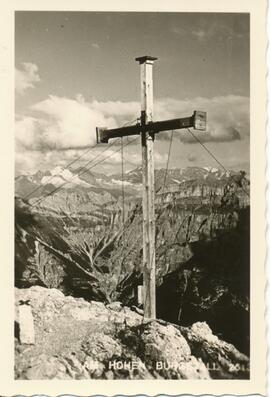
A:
[64,173]
[59,176]
[211,169]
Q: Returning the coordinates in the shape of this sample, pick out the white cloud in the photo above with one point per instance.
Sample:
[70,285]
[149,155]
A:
[177,30]
[160,159]
[114,157]
[200,33]
[69,123]
[121,111]
[25,129]
[60,127]
[28,161]
[119,182]
[62,123]
[26,77]
[219,31]
[227,117]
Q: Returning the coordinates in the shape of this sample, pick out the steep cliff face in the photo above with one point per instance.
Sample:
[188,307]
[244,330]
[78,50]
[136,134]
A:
[213,284]
[202,267]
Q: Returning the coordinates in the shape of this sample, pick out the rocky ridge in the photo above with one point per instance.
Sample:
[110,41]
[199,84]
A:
[76,339]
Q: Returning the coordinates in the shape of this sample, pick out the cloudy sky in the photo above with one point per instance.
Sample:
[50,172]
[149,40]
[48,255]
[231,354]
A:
[76,70]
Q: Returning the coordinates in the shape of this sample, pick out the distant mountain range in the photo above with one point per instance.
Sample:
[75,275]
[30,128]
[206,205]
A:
[41,183]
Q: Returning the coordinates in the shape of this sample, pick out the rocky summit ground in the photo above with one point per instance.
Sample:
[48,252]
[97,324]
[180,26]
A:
[76,339]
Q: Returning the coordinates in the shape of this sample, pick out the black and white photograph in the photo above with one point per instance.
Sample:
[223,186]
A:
[132,195]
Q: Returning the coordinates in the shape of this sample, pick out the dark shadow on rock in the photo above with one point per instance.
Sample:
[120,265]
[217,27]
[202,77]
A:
[17,330]
[213,286]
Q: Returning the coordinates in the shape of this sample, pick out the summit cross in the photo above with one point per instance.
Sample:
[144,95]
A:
[147,128]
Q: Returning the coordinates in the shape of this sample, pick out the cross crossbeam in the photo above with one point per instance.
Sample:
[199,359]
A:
[197,121]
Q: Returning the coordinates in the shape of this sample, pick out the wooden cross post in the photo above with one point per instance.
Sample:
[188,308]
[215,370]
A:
[148,197]
[147,128]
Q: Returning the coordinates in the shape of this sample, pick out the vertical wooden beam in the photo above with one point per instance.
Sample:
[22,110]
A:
[123,189]
[149,267]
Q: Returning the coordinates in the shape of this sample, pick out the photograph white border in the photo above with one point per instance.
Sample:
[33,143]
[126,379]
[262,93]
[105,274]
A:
[257,382]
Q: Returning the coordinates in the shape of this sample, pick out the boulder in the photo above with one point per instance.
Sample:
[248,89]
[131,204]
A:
[223,359]
[165,351]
